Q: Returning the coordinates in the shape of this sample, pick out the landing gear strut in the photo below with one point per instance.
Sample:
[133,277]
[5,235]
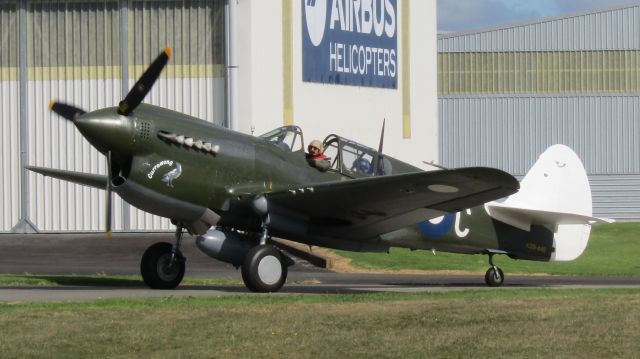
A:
[494,276]
[163,265]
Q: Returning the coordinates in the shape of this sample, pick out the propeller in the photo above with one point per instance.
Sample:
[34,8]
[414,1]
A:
[125,107]
[108,201]
[144,84]
[67,111]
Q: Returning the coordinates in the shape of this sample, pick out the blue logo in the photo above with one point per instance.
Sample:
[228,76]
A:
[437,227]
[315,12]
[350,42]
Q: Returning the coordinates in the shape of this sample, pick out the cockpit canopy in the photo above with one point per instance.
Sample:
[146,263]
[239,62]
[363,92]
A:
[354,159]
[348,157]
[288,138]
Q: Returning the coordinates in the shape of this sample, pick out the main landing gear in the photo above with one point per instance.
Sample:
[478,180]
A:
[494,276]
[163,265]
[265,268]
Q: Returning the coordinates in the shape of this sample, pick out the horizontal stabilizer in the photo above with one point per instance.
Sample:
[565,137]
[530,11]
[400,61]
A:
[85,179]
[524,218]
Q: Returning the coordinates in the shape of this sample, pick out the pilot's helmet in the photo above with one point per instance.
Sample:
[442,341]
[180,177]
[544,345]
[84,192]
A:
[362,165]
[317,144]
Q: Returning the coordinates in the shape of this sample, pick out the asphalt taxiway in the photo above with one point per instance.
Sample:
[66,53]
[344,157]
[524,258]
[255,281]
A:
[90,254]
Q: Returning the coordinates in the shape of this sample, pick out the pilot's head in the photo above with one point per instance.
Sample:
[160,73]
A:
[315,147]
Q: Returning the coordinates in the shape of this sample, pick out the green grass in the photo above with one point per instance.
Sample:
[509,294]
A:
[613,250]
[482,323]
[100,280]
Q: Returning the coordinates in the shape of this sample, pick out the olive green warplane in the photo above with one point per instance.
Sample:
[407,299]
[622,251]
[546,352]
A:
[235,191]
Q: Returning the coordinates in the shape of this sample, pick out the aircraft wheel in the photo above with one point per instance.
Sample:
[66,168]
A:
[264,269]
[157,270]
[494,277]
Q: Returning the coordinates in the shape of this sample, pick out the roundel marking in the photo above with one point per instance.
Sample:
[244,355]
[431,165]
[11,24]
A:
[315,12]
[437,227]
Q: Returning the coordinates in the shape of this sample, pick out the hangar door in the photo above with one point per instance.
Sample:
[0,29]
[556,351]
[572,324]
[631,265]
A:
[89,54]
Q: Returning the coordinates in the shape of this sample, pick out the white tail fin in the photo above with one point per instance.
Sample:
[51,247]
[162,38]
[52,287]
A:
[556,193]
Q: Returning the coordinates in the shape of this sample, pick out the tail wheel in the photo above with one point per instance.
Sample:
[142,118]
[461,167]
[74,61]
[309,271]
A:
[158,270]
[264,269]
[494,277]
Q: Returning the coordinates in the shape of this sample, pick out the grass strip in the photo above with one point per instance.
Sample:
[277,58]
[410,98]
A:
[504,323]
[100,280]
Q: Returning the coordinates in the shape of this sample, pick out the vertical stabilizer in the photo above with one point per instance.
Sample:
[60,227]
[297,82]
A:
[554,193]
[557,182]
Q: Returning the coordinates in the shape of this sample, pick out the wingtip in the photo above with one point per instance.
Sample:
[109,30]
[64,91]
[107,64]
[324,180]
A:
[168,51]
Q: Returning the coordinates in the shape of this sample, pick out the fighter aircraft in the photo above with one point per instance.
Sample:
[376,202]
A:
[234,192]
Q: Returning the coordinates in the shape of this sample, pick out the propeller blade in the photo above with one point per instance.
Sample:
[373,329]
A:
[108,190]
[67,111]
[144,84]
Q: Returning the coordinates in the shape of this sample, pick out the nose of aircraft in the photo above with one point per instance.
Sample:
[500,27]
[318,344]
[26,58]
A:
[106,130]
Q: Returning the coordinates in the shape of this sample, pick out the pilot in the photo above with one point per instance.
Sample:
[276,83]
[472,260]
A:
[316,157]
[362,165]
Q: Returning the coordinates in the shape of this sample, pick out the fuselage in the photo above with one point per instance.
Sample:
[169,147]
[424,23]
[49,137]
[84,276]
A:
[181,179]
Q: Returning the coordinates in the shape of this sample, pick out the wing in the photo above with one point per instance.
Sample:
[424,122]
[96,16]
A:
[86,179]
[363,208]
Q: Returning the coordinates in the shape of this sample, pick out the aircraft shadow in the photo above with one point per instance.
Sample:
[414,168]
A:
[83,281]
[79,283]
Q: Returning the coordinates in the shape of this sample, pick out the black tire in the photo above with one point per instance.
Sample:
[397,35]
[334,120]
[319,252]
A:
[494,277]
[264,270]
[156,272]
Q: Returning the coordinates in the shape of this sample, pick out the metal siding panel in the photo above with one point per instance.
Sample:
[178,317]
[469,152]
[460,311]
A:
[73,56]
[610,29]
[616,196]
[477,132]
[9,158]
[635,26]
[595,126]
[9,117]
[71,61]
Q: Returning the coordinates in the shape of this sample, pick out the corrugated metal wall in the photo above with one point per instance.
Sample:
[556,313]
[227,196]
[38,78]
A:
[9,117]
[548,72]
[72,56]
[509,131]
[74,52]
[615,29]
[616,196]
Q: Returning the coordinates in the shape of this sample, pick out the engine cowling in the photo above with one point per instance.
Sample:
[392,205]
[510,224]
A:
[227,246]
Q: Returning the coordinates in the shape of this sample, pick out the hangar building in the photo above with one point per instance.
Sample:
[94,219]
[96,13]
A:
[507,93]
[328,66]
